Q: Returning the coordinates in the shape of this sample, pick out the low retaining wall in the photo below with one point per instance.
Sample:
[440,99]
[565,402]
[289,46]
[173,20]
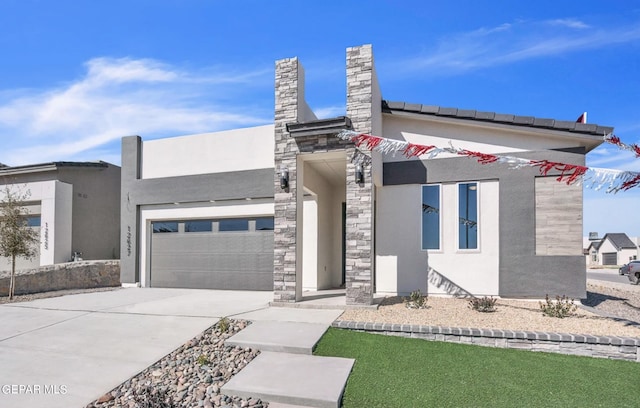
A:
[71,275]
[620,348]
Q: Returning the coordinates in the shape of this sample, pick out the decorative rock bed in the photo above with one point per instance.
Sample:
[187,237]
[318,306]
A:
[190,376]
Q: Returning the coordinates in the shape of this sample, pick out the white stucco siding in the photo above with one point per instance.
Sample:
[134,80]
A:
[232,150]
[474,271]
[181,212]
[402,266]
[310,249]
[55,202]
[626,255]
[442,132]
[606,247]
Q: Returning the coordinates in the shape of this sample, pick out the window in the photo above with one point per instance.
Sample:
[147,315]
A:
[164,226]
[197,226]
[264,224]
[468,216]
[237,224]
[430,217]
[33,221]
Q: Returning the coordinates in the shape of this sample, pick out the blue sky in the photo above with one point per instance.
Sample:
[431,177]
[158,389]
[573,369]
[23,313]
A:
[77,75]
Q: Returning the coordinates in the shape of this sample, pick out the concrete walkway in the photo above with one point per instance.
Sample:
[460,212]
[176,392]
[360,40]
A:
[67,351]
[286,372]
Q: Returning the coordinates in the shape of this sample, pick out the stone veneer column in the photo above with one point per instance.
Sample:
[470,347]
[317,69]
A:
[285,201]
[360,200]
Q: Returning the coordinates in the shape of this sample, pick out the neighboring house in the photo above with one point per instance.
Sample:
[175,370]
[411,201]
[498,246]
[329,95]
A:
[75,205]
[612,249]
[284,207]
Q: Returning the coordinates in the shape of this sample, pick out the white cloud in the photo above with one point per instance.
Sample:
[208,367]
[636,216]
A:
[569,22]
[120,97]
[512,42]
[330,111]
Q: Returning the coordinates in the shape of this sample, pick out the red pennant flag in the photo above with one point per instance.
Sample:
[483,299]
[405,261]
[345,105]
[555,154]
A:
[582,118]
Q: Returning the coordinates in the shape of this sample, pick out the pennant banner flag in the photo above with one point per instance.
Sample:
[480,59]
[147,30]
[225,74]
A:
[615,140]
[595,178]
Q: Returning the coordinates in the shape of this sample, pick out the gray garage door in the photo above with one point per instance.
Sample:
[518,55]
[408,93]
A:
[213,254]
[610,258]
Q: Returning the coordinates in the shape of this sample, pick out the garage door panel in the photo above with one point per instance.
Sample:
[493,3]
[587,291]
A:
[232,280]
[610,258]
[213,260]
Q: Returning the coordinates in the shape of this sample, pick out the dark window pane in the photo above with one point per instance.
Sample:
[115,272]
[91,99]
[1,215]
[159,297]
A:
[264,224]
[468,216]
[33,221]
[197,226]
[238,224]
[160,226]
[430,217]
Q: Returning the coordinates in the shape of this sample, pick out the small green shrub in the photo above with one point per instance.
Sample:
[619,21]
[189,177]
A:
[484,304]
[224,324]
[203,360]
[561,307]
[416,300]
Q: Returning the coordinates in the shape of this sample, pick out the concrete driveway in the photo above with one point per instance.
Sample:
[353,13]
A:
[70,350]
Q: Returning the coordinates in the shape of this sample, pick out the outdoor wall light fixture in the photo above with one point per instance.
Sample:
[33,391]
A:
[359,173]
[284,177]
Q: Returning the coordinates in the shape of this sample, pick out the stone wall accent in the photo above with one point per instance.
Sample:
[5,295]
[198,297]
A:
[612,347]
[360,198]
[290,107]
[285,202]
[71,275]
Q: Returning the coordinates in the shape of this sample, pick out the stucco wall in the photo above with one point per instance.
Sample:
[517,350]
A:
[231,150]
[55,205]
[402,266]
[472,135]
[327,271]
[95,230]
[80,210]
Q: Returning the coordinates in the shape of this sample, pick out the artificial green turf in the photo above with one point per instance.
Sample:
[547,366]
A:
[403,372]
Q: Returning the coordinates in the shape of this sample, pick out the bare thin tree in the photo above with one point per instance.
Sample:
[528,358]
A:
[17,239]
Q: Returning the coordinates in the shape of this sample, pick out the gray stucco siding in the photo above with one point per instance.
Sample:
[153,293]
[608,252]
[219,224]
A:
[203,187]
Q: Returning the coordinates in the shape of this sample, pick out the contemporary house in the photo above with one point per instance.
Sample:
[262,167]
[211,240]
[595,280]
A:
[291,206]
[612,249]
[74,205]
